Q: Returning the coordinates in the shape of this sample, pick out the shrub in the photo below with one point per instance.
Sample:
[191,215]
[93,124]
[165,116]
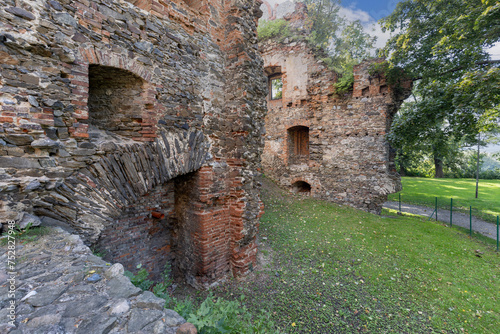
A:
[278,29]
[213,316]
[140,279]
[224,316]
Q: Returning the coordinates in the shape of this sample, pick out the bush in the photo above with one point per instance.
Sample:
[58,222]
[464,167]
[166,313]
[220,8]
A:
[224,316]
[490,174]
[278,29]
[140,279]
[213,316]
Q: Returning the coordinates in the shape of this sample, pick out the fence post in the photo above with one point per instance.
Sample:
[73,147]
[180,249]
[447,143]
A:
[399,202]
[451,212]
[436,208]
[470,221]
[497,232]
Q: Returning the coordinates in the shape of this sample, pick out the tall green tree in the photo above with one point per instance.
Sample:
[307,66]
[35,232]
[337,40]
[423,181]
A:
[442,44]
[323,21]
[413,134]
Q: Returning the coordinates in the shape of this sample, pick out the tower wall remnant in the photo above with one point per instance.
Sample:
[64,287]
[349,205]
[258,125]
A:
[345,157]
[108,108]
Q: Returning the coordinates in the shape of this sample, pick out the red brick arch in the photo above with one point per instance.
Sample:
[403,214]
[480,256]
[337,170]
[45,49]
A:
[92,56]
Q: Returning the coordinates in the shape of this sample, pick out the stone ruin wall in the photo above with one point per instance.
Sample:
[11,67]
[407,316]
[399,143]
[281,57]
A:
[348,159]
[138,125]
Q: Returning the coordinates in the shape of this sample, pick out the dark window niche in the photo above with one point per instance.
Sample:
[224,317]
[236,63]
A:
[116,100]
[298,144]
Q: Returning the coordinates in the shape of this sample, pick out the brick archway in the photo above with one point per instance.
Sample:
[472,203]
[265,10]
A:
[90,59]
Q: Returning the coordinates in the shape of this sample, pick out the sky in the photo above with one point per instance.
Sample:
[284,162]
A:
[370,11]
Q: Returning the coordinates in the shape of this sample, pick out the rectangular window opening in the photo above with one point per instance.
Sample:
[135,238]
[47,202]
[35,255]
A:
[276,88]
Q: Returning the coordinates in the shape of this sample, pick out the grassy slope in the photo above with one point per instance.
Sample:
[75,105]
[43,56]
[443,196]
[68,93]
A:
[422,191]
[331,269]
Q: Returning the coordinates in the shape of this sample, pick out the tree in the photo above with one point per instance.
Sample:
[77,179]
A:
[323,21]
[442,43]
[346,42]
[349,49]
[434,139]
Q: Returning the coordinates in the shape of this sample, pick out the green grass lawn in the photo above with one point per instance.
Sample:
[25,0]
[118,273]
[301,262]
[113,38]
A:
[423,191]
[331,269]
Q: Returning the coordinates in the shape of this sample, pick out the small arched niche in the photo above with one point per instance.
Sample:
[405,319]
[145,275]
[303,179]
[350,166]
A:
[116,100]
[302,188]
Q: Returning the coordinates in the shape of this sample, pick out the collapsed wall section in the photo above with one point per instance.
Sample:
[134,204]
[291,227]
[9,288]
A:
[323,144]
[109,108]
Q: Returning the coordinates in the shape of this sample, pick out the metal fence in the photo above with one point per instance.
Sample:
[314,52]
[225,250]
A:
[451,209]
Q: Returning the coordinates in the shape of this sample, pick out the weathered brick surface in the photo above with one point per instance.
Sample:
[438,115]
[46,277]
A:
[134,95]
[348,160]
[137,237]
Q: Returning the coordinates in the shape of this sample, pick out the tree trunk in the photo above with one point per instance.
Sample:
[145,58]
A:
[402,170]
[477,169]
[438,167]
[402,165]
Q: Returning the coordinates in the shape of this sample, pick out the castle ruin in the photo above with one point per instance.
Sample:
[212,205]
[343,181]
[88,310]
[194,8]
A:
[321,143]
[138,125]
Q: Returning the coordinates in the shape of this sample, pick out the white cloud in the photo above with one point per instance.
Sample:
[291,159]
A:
[355,14]
[369,24]
[495,51]
[273,2]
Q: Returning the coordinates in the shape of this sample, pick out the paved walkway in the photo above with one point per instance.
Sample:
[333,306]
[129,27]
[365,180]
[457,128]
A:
[460,219]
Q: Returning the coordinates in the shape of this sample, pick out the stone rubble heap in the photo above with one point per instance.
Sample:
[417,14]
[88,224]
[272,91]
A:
[61,287]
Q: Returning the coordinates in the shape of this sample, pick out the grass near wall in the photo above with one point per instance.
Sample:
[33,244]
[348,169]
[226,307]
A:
[423,191]
[331,269]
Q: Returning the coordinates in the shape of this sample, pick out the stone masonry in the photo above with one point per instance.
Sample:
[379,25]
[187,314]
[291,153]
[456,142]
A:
[318,142]
[137,125]
[61,287]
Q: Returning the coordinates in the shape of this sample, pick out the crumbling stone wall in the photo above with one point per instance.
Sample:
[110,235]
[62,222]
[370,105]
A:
[107,105]
[323,144]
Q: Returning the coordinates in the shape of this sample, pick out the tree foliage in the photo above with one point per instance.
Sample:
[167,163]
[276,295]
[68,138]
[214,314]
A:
[415,135]
[345,42]
[323,21]
[352,47]
[278,29]
[442,44]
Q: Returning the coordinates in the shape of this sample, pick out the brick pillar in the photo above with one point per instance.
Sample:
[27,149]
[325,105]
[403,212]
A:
[203,229]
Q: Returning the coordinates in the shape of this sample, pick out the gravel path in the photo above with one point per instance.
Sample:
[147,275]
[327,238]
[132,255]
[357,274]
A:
[461,219]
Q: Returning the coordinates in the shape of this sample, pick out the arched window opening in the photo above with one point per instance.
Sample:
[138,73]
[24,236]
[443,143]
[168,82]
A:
[115,101]
[298,144]
[301,187]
